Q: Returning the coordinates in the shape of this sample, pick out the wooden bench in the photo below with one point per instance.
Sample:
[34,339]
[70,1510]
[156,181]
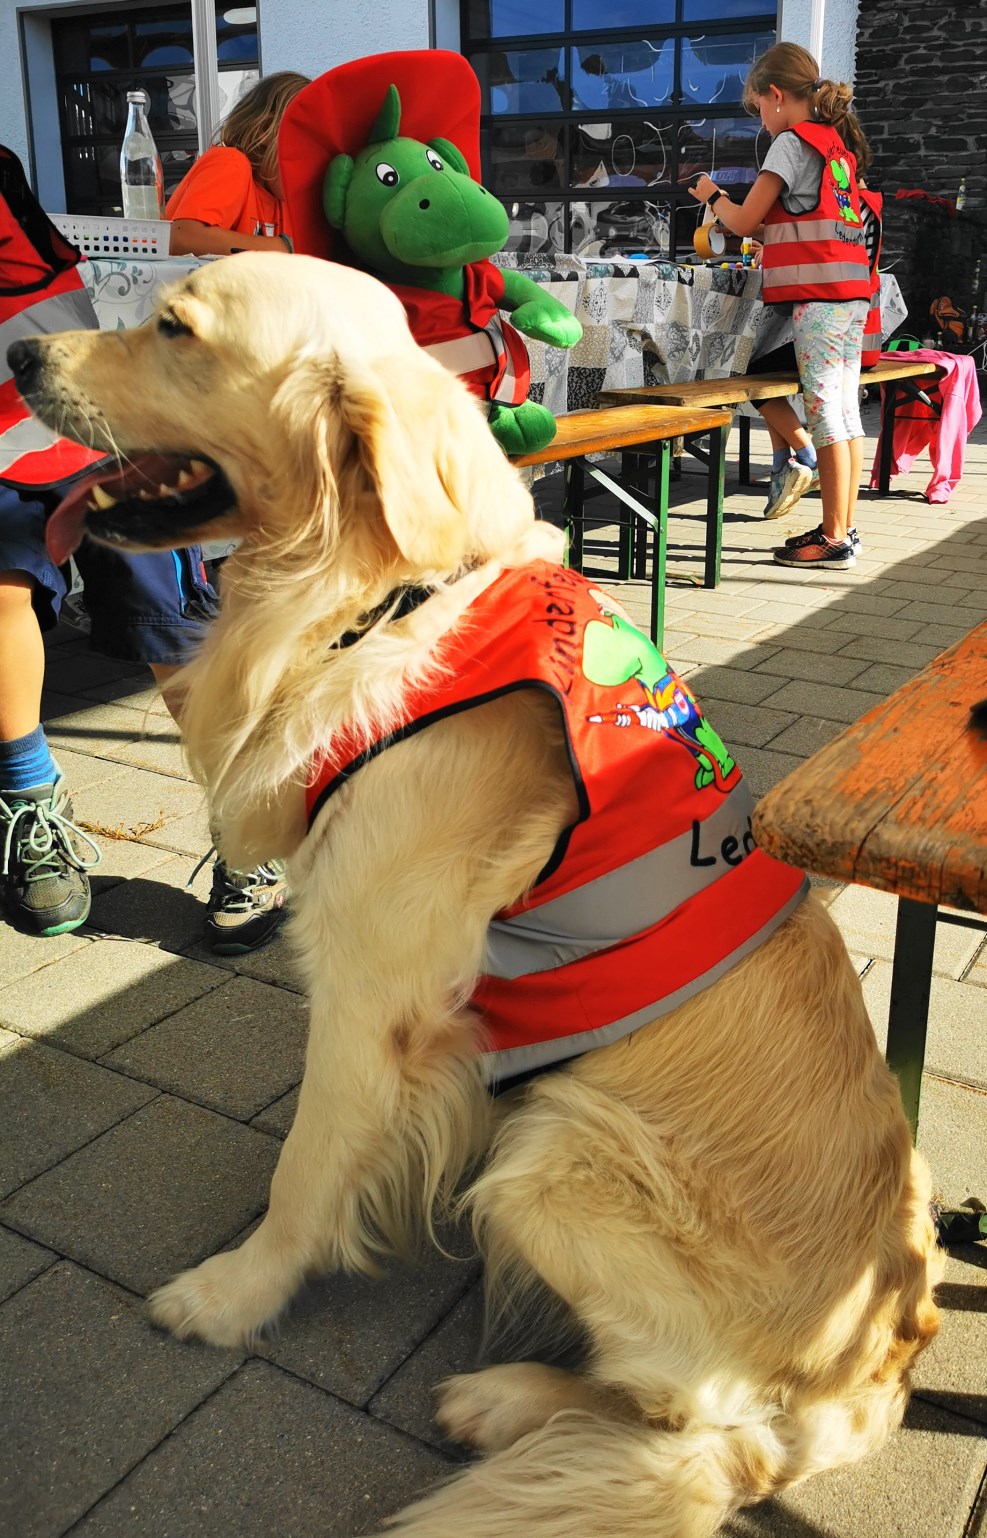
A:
[639,434]
[899,802]
[896,373]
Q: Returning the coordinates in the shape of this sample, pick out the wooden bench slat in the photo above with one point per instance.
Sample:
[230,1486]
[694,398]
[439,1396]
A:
[617,427]
[748,387]
[897,801]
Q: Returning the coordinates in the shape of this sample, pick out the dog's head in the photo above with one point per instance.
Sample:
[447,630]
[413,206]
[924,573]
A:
[279,400]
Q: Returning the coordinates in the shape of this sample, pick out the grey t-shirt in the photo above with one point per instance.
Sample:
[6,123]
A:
[800,168]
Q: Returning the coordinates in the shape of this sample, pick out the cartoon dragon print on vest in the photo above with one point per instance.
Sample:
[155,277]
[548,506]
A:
[842,184]
[613,654]
[412,215]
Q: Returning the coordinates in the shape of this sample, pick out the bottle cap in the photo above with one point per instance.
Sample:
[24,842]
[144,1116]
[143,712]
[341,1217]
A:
[138,96]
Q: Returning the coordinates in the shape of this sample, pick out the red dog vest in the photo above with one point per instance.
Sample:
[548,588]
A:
[657,889]
[820,254]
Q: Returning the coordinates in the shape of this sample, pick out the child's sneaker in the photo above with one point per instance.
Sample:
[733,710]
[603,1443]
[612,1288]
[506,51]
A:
[45,858]
[245,908]
[814,535]
[785,487]
[815,550]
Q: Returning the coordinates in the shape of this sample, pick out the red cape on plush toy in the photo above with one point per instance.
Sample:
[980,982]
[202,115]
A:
[379,160]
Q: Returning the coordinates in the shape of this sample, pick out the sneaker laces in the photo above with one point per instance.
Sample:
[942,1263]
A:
[40,836]
[233,890]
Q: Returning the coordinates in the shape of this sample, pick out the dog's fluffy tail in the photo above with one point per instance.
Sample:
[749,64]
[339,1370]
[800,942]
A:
[581,1474]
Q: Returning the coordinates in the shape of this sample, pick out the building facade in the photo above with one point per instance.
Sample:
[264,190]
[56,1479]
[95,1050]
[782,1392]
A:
[596,113]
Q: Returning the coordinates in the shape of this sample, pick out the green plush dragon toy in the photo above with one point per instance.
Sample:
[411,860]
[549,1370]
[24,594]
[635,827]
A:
[411,214]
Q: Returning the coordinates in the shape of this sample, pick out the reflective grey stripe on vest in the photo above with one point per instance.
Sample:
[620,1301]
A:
[622,903]
[812,229]
[28,436]
[464,354]
[542,1054]
[61,312]
[821,274]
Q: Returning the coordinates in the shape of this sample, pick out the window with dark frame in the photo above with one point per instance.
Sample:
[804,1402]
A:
[597,113]
[99,56]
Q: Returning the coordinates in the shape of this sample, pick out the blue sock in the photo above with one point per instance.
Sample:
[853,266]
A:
[26,762]
[779,460]
[806,456]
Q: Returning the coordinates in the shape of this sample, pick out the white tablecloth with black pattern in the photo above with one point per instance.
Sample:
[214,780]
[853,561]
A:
[656,323]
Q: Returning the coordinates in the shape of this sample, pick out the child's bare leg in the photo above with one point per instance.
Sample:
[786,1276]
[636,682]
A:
[784,428]
[22,657]
[836,475]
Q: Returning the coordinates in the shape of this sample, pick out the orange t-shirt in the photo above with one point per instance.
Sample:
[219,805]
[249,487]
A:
[220,190]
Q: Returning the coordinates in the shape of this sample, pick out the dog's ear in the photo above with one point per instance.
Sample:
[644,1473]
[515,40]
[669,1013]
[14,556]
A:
[423,444]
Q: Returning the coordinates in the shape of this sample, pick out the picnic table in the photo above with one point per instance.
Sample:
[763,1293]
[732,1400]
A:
[899,802]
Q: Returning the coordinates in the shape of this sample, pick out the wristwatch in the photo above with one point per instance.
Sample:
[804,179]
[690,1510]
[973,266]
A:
[716,193]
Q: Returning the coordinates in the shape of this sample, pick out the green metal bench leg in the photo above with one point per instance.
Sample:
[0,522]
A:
[662,466]
[572,513]
[908,1017]
[714,506]
[889,407]
[744,465]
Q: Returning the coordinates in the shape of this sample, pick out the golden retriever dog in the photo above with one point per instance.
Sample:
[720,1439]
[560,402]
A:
[725,1200]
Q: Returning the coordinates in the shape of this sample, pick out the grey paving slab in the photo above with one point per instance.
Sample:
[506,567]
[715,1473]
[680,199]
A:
[120,860]
[156,1194]
[407,1400]
[713,651]
[278,1117]
[92,1389]
[21,954]
[157,903]
[806,736]
[163,753]
[51,1104]
[93,728]
[951,1371]
[867,920]
[138,805]
[74,668]
[952,1136]
[905,654]
[893,629]
[956,1045]
[273,963]
[738,687]
[80,770]
[942,636]
[806,637]
[349,1334]
[921,1484]
[941,613]
[763,768]
[268,1457]
[184,835]
[812,667]
[98,997]
[824,701]
[751,725]
[233,1050]
[21,1260]
[54,706]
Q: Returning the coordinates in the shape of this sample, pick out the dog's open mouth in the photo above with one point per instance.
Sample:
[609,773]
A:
[152,500]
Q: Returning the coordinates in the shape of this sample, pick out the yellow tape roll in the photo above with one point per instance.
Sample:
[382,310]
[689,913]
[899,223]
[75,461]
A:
[708,241]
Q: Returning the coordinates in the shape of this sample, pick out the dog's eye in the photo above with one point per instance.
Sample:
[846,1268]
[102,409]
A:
[387,174]
[170,325]
[434,160]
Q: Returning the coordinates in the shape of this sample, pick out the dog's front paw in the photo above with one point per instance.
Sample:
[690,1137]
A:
[226,1301]
[483,1409]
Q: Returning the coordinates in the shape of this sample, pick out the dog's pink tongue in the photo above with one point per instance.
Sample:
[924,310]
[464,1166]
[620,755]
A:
[65,529]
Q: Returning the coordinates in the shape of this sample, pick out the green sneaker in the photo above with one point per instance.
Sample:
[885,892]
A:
[45,859]
[245,908]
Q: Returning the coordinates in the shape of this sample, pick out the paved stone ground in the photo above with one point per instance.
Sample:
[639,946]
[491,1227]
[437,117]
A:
[145,1086]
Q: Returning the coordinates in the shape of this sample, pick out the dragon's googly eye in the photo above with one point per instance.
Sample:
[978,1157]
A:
[387,174]
[434,160]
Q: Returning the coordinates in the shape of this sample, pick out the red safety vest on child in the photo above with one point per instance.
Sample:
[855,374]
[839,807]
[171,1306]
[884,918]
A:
[657,890]
[820,254]
[873,202]
[468,337]
[40,291]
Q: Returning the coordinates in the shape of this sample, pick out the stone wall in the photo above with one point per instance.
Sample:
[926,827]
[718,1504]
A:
[921,95]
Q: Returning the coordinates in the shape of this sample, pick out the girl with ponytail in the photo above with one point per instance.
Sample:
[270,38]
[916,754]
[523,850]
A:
[815,262]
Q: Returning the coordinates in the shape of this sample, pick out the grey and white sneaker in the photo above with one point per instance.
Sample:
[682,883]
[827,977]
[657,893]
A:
[245,908]
[44,861]
[785,488]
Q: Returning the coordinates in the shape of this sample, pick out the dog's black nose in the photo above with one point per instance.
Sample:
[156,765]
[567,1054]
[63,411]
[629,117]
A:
[24,362]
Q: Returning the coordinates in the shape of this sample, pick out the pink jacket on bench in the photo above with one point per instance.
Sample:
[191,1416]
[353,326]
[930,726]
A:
[916,427]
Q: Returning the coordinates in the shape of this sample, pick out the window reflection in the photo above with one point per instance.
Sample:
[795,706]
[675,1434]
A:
[617,76]
[623,153]
[523,80]
[536,227]
[516,18]
[609,15]
[714,69]
[526,158]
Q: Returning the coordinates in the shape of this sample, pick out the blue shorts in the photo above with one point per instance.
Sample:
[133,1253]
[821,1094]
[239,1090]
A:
[142,608]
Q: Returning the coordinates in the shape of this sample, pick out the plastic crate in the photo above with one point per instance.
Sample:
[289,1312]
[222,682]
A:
[98,236]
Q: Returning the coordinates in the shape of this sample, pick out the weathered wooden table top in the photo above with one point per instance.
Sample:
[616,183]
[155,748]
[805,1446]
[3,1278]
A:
[899,800]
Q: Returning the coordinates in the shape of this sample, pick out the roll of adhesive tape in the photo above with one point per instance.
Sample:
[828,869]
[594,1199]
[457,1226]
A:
[708,241]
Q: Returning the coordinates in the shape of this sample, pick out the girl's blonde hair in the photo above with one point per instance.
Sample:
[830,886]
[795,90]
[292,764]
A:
[793,69]
[252,125]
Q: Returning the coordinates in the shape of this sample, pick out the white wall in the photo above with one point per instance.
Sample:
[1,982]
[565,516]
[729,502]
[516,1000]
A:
[313,35]
[839,33]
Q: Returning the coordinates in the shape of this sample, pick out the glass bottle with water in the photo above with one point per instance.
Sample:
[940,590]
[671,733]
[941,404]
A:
[141,177]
